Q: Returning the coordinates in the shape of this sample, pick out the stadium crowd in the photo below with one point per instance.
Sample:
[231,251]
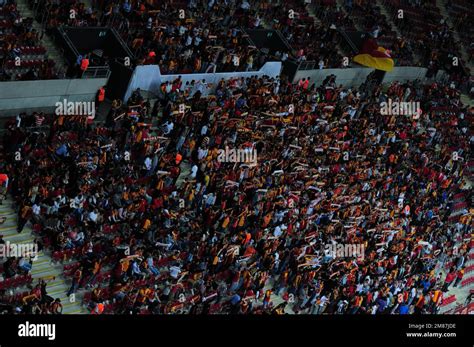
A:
[22,57]
[205,36]
[157,222]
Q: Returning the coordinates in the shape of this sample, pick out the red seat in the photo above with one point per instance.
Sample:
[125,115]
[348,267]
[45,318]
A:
[7,283]
[57,256]
[28,279]
[68,254]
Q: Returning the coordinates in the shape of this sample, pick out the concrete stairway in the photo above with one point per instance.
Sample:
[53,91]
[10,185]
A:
[42,266]
[449,20]
[313,14]
[52,52]
[318,22]
[341,4]
[388,17]
[384,11]
[460,292]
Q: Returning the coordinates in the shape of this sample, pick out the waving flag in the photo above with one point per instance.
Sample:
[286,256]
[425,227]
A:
[375,56]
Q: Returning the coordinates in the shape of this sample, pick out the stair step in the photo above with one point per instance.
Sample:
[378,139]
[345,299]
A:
[42,266]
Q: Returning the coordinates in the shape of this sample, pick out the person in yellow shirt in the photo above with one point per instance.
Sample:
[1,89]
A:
[147,224]
[225,223]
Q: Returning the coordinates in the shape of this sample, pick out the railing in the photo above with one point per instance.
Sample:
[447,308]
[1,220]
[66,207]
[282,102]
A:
[348,40]
[308,65]
[97,72]
[35,128]
[131,56]
[68,41]
[35,5]
[285,41]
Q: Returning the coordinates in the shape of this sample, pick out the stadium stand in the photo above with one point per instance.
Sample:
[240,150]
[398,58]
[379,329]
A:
[233,197]
[147,217]
[22,56]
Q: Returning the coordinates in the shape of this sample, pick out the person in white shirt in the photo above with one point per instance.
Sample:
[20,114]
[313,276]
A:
[319,308]
[210,201]
[168,127]
[201,86]
[202,153]
[36,209]
[78,201]
[197,41]
[175,271]
[189,40]
[321,64]
[93,216]
[148,163]
[194,170]
[277,232]
[245,5]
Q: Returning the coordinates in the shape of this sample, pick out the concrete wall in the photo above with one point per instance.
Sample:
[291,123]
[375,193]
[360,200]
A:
[347,77]
[145,77]
[353,77]
[405,73]
[149,77]
[27,96]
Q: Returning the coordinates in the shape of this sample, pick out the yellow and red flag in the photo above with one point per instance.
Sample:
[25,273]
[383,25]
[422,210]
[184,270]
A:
[375,56]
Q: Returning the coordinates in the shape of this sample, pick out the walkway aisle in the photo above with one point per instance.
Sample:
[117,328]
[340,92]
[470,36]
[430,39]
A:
[42,266]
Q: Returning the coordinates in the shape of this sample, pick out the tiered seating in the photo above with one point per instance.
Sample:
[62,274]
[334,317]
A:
[369,15]
[16,298]
[463,309]
[470,167]
[365,17]
[14,282]
[26,64]
[66,254]
[70,268]
[326,11]
[422,25]
[88,295]
[462,14]
[448,300]
[416,21]
[215,308]
[20,40]
[467,282]
[28,52]
[6,26]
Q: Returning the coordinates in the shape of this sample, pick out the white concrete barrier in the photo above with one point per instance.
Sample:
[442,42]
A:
[149,77]
[354,77]
[27,96]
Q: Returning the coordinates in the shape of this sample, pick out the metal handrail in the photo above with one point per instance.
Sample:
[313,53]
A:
[122,42]
[97,72]
[68,40]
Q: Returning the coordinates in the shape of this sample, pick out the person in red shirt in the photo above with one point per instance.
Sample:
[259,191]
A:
[100,95]
[84,64]
[449,279]
[3,186]
[459,276]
